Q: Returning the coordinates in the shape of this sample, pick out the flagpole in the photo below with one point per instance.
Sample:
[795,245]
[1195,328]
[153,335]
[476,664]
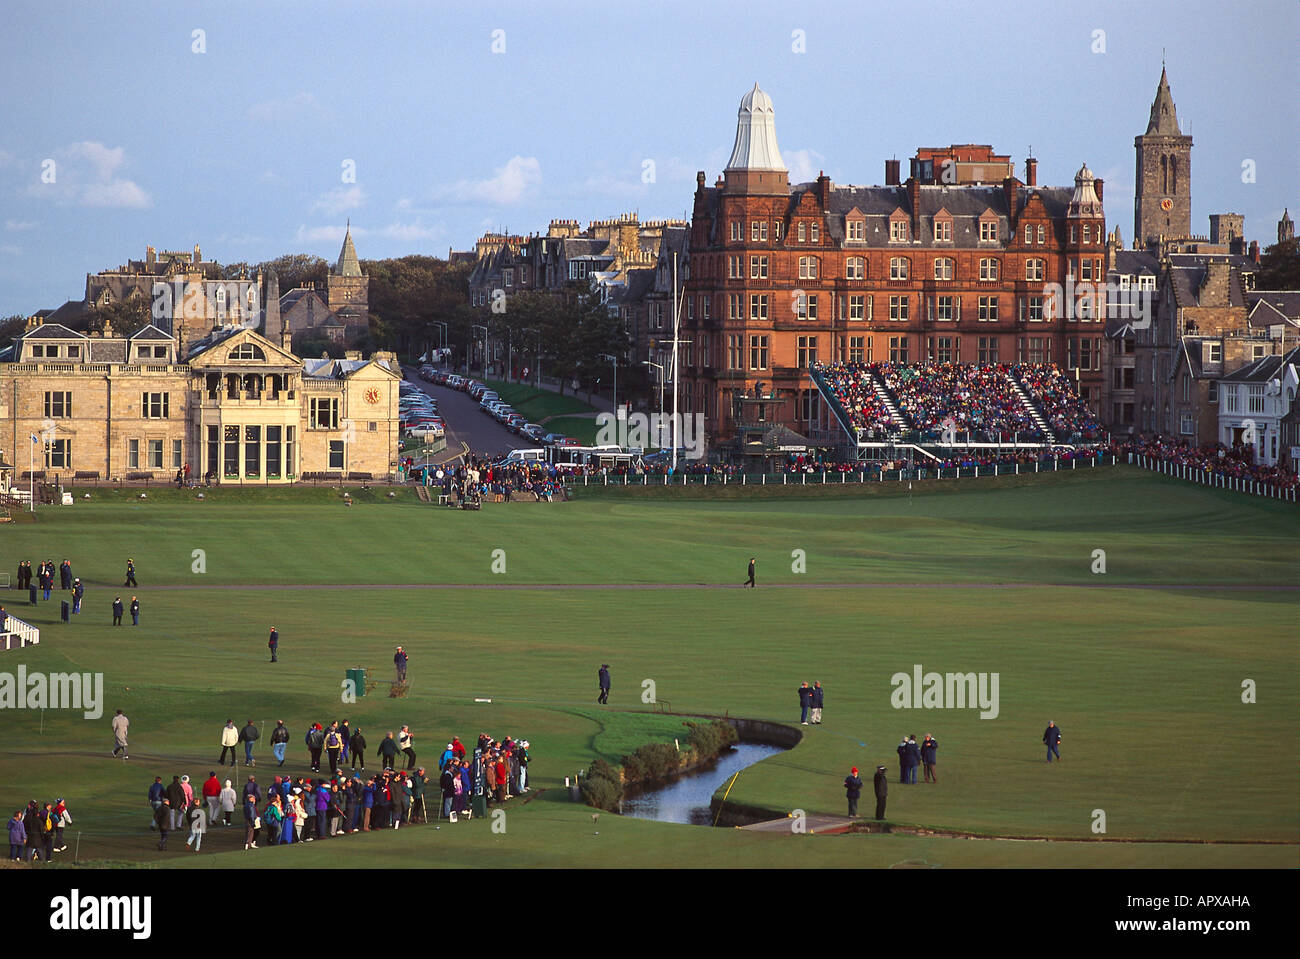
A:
[676,373]
[31,476]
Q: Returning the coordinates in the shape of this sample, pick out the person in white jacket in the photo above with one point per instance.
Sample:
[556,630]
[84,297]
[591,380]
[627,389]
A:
[229,740]
[228,799]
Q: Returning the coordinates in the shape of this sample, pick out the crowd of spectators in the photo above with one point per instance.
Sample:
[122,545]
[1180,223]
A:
[857,395]
[979,399]
[939,396]
[1233,462]
[1066,412]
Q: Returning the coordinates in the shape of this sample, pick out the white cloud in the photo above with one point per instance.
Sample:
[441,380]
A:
[15,226]
[116,193]
[804,165]
[519,176]
[397,230]
[86,174]
[287,108]
[11,250]
[339,200]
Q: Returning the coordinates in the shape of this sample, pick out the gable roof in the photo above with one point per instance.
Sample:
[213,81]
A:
[151,332]
[52,331]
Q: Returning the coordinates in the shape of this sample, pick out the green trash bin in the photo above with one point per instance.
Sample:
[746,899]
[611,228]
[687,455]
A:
[357,676]
[480,806]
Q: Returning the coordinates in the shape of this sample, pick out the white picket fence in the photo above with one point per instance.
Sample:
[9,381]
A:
[28,635]
[1205,478]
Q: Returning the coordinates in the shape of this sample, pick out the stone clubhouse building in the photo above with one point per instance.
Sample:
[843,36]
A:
[233,406]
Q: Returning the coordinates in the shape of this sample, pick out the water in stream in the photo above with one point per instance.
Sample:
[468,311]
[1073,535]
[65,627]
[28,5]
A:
[686,799]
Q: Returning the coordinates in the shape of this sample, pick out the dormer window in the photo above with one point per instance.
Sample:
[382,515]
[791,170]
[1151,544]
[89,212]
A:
[943,229]
[988,231]
[855,230]
[898,232]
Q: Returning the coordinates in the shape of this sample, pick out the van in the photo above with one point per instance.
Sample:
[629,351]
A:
[525,456]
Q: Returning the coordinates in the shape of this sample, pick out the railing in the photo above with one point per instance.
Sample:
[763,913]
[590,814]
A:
[28,635]
[860,474]
[1193,474]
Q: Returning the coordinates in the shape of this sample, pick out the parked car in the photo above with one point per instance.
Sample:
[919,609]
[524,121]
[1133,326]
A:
[516,422]
[533,432]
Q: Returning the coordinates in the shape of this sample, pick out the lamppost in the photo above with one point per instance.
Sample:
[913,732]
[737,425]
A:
[538,380]
[661,380]
[442,331]
[613,360]
[485,348]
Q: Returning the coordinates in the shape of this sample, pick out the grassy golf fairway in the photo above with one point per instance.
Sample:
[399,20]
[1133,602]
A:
[983,576]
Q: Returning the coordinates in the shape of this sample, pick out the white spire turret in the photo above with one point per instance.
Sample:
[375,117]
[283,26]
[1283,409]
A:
[756,147]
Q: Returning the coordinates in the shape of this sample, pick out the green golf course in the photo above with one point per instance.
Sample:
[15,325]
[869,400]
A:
[1142,665]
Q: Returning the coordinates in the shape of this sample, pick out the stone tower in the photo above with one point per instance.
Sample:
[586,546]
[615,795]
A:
[1162,200]
[347,289]
[1225,228]
[1285,227]
[271,323]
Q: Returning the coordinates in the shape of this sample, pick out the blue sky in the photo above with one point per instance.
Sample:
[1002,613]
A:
[244,148]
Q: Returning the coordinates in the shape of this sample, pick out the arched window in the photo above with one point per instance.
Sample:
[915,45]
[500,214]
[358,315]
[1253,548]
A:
[1164,174]
[1173,175]
[247,351]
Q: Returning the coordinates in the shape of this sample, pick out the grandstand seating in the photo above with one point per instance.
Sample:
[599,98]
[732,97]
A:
[991,403]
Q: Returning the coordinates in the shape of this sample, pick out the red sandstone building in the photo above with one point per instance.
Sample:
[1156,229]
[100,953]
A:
[953,264]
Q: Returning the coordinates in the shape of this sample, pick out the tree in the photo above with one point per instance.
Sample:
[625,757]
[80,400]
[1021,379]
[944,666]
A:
[127,317]
[292,270]
[11,327]
[1279,267]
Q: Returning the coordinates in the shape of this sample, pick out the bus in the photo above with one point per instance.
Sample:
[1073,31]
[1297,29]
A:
[591,457]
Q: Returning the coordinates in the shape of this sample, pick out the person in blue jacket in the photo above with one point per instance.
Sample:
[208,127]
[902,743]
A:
[1052,738]
[913,759]
[805,703]
[157,793]
[818,698]
[929,752]
[367,803]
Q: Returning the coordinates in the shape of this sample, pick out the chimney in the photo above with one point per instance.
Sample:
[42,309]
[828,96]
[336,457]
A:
[1098,185]
[823,188]
[1254,250]
[891,173]
[1031,172]
[914,201]
[198,257]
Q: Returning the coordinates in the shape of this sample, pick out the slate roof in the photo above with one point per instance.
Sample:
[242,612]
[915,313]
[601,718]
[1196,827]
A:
[151,332]
[110,350]
[52,331]
[1271,307]
[1264,369]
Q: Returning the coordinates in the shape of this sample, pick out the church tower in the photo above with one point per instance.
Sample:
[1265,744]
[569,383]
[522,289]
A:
[347,289]
[1162,200]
